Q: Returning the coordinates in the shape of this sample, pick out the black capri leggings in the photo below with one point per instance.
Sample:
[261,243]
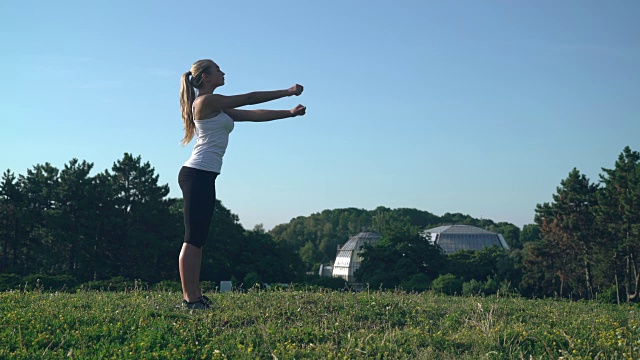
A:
[199,194]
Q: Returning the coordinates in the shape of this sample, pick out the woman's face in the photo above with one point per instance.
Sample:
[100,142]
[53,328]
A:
[215,76]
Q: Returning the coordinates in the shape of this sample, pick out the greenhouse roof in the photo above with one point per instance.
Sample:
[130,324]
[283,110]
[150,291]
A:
[454,238]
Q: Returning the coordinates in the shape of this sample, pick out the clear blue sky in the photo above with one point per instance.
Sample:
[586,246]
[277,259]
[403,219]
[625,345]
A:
[478,107]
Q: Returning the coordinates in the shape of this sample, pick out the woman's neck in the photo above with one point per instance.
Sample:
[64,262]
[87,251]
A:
[206,90]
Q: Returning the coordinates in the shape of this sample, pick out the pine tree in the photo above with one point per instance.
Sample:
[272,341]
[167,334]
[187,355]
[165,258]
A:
[140,211]
[569,234]
[12,221]
[72,219]
[38,187]
[619,217]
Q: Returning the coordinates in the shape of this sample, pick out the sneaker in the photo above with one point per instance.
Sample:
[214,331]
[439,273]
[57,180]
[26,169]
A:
[197,305]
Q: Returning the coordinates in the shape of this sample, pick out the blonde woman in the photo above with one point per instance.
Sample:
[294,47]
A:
[210,118]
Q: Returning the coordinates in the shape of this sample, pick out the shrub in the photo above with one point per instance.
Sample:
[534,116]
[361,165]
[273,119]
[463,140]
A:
[491,286]
[250,280]
[472,287]
[9,281]
[418,282]
[334,283]
[447,284]
[608,295]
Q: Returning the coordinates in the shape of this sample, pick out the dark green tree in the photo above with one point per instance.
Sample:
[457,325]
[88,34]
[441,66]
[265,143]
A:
[619,218]
[309,254]
[12,222]
[511,234]
[567,226]
[106,227]
[272,262]
[141,229]
[397,257]
[530,232]
[479,265]
[71,221]
[38,187]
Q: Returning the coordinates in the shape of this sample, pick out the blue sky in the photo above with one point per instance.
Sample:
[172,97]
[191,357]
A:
[478,107]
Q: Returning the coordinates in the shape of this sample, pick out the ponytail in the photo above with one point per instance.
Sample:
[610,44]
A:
[190,81]
[187,96]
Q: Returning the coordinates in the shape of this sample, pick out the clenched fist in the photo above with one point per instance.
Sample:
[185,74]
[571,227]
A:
[296,89]
[298,110]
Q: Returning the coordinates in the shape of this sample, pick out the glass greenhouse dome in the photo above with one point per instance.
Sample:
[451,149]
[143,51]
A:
[453,238]
[348,259]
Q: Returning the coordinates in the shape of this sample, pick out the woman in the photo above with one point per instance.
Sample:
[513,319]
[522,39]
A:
[210,117]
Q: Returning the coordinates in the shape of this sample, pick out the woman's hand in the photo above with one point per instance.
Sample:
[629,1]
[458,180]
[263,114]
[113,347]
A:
[295,90]
[298,110]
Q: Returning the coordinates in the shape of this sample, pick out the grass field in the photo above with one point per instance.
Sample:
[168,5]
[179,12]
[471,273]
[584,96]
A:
[312,324]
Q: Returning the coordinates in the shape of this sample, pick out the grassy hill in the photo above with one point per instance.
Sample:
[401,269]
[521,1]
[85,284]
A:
[312,324]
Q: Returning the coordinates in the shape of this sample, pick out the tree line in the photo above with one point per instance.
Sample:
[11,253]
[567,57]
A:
[317,236]
[589,235]
[583,243]
[121,223]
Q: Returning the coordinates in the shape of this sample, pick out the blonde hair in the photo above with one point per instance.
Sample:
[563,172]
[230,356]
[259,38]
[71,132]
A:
[190,81]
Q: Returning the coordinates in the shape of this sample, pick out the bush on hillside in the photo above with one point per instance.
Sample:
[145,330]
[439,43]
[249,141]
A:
[418,282]
[447,284]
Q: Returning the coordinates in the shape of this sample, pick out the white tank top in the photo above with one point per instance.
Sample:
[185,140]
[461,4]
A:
[212,138]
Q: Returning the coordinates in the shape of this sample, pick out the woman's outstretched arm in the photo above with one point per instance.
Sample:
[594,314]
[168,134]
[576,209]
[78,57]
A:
[215,102]
[265,115]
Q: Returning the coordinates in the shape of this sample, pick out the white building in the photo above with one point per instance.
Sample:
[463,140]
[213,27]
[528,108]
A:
[348,259]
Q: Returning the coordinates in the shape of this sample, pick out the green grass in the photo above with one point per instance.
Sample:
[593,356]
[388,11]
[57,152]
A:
[312,325]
